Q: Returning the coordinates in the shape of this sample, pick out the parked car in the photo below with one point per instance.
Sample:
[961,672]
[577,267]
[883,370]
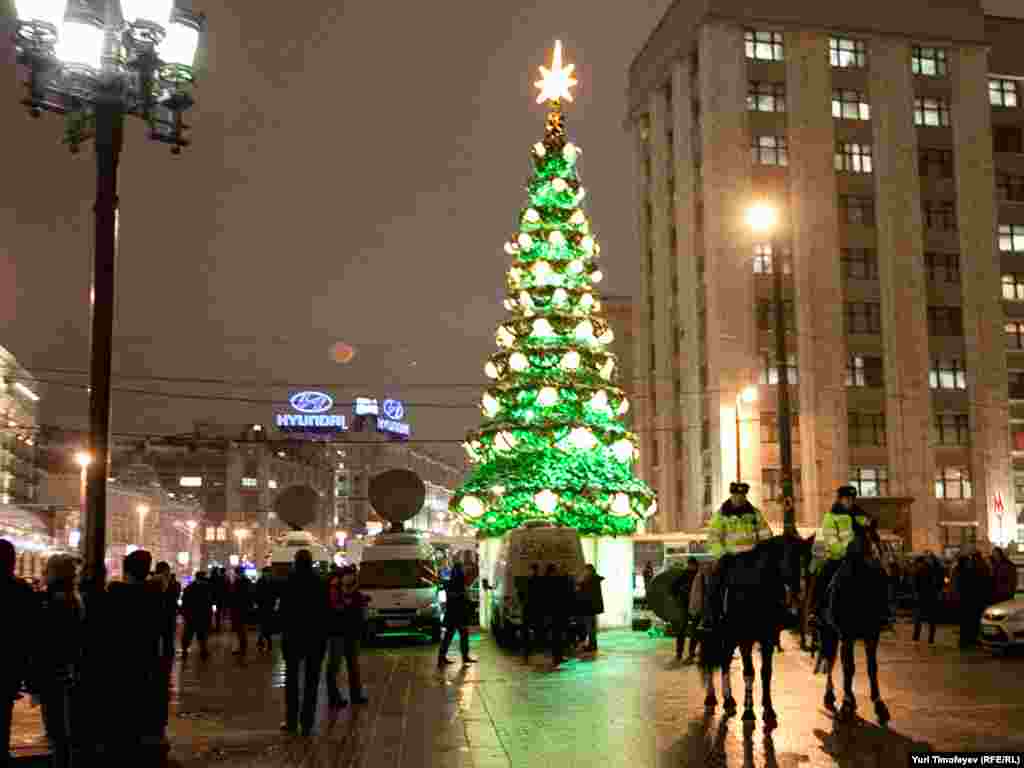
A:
[1002,625]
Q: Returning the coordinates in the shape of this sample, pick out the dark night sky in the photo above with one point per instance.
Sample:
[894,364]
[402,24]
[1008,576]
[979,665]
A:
[356,168]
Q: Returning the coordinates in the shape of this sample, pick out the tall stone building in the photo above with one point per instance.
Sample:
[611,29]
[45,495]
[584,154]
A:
[619,311]
[888,137]
[19,416]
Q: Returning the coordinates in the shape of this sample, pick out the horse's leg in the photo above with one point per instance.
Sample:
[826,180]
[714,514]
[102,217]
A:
[747,652]
[708,670]
[871,650]
[728,702]
[767,651]
[829,664]
[849,668]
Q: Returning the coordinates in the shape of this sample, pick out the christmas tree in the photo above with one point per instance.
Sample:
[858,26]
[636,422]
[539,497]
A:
[552,445]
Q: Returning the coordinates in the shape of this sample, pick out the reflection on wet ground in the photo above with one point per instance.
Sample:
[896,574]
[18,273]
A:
[630,705]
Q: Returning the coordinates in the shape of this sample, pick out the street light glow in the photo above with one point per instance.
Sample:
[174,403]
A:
[762,217]
[83,459]
[749,394]
[143,510]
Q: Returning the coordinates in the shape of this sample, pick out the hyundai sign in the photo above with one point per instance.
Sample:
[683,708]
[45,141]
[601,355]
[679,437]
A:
[310,413]
[390,415]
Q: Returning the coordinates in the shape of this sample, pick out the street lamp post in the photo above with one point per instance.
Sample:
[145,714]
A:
[143,510]
[763,218]
[95,67]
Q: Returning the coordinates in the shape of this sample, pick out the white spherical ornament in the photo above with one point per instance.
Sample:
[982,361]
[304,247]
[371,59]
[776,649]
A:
[570,360]
[570,152]
[585,331]
[596,276]
[599,402]
[491,371]
[525,241]
[621,506]
[546,501]
[525,300]
[607,369]
[473,450]
[472,507]
[505,337]
[559,296]
[509,304]
[623,407]
[515,276]
[623,450]
[539,149]
[575,266]
[577,218]
[582,439]
[498,490]
[511,248]
[542,272]
[517,362]
[505,441]
[531,215]
[580,194]
[490,405]
[607,337]
[587,244]
[547,397]
[556,239]
[543,328]
[587,300]
[559,185]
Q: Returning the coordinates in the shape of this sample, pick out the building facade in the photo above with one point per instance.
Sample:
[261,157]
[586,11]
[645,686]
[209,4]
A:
[888,138]
[619,312]
[19,419]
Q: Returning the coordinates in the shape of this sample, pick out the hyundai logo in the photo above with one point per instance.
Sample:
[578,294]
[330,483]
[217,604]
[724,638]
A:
[393,409]
[311,402]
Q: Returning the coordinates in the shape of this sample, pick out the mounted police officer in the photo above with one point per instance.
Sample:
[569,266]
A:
[838,530]
[735,528]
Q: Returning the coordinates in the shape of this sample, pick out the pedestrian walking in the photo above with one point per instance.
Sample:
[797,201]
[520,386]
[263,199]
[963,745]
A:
[19,611]
[240,602]
[266,610]
[58,651]
[590,604]
[456,615]
[531,597]
[219,591]
[926,598]
[197,610]
[345,629]
[681,587]
[304,615]
[1004,577]
[168,599]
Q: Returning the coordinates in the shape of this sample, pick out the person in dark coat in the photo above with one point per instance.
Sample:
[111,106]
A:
[161,584]
[240,601]
[266,610]
[345,634]
[1004,577]
[456,615]
[20,608]
[531,598]
[58,653]
[681,592]
[591,604]
[304,616]
[197,610]
[965,582]
[219,592]
[558,604]
[926,598]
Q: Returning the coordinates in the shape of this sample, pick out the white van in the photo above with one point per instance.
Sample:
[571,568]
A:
[396,572]
[282,555]
[537,542]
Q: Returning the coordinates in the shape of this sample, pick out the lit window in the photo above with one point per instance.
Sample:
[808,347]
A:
[1014,335]
[855,371]
[191,482]
[1002,93]
[763,46]
[1011,238]
[222,534]
[211,533]
[250,482]
[763,260]
[947,374]
[766,97]
[953,483]
[769,150]
[853,158]
[927,61]
[770,371]
[272,485]
[850,105]
[847,54]
[931,111]
[1013,287]
[870,481]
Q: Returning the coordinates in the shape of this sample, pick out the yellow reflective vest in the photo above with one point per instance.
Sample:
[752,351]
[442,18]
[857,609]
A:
[836,533]
[733,531]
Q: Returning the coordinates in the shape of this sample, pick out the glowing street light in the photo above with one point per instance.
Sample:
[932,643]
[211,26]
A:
[762,218]
[83,459]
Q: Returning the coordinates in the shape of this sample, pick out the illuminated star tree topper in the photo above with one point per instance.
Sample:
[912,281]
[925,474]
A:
[552,445]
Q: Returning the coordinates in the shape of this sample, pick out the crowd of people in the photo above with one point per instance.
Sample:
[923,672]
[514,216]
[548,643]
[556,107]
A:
[560,611]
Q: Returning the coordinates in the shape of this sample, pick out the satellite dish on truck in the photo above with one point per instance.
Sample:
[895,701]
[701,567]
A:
[297,506]
[397,495]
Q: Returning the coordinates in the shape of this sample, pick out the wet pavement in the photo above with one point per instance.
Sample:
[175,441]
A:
[630,705]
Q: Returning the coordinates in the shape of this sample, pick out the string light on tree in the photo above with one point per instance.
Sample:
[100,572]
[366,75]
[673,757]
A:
[551,440]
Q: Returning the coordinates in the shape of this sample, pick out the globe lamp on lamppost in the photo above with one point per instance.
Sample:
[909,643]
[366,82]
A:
[94,63]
